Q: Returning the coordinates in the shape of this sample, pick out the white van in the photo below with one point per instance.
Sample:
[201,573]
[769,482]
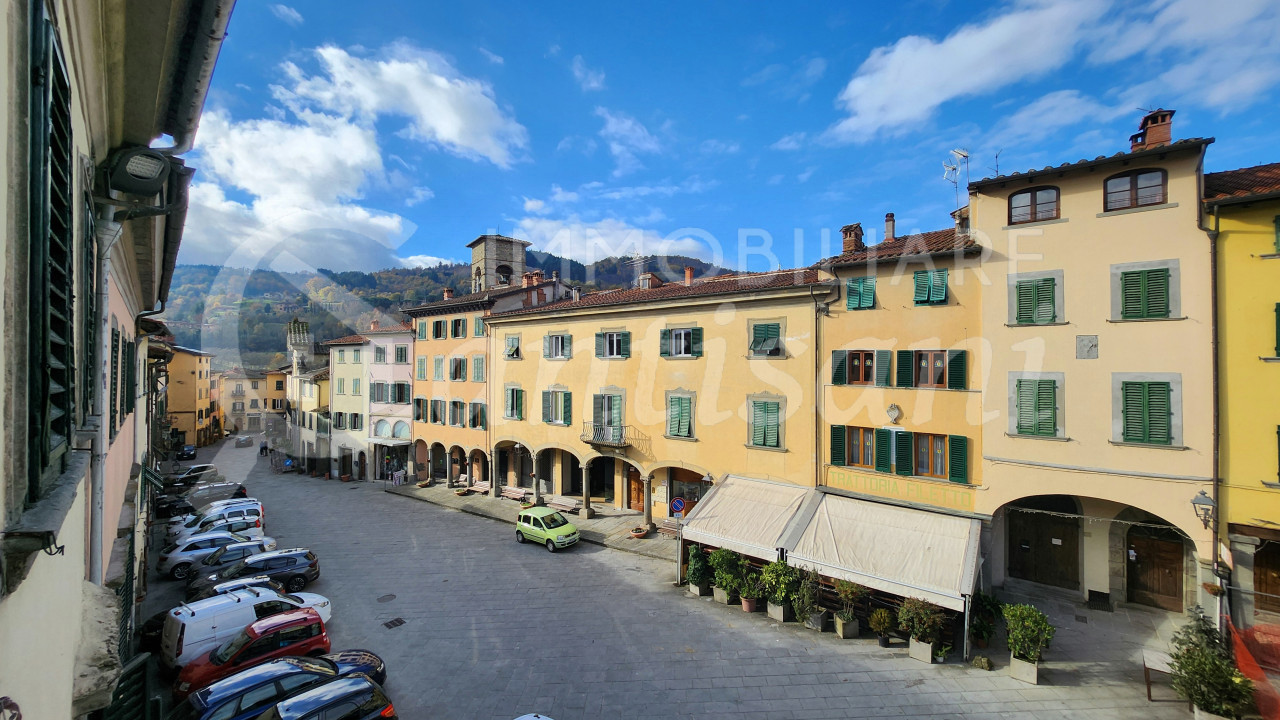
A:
[190,630]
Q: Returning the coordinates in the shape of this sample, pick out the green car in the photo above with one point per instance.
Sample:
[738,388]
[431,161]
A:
[546,526]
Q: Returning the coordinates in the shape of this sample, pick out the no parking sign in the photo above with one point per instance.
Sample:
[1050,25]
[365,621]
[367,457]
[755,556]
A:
[677,507]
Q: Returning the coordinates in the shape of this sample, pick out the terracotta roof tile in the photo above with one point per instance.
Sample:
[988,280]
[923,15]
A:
[392,328]
[346,340]
[1185,143]
[934,242]
[1245,182]
[483,296]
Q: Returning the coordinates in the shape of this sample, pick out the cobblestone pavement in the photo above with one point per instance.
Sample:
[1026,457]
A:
[493,629]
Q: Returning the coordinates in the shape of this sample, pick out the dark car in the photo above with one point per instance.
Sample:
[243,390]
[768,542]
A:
[355,697]
[188,452]
[292,568]
[248,693]
[244,441]
[188,499]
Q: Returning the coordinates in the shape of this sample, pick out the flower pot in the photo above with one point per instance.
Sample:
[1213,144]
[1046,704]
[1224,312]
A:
[781,613]
[722,596]
[883,640]
[750,604]
[639,532]
[700,590]
[1206,715]
[461,492]
[1027,672]
[817,621]
[922,651]
[344,478]
[846,629]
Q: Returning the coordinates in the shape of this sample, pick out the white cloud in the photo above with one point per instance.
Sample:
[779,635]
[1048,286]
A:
[789,142]
[425,261]
[788,82]
[492,56]
[804,176]
[560,195]
[1050,113]
[719,147]
[553,51]
[587,78]
[535,205]
[287,14]
[447,110]
[588,242]
[418,194]
[626,137]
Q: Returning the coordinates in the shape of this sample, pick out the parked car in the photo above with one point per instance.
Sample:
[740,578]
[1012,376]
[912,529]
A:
[296,632]
[177,558]
[244,441]
[191,475]
[250,527]
[546,526]
[188,452]
[195,628]
[152,628]
[240,509]
[227,554]
[256,581]
[193,518]
[174,503]
[355,697]
[248,693]
[293,568]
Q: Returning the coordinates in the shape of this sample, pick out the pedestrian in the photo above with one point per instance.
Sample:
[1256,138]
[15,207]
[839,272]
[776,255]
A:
[262,449]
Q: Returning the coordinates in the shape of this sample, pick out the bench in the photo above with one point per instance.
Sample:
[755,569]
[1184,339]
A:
[1154,661]
[564,504]
[480,487]
[669,526]
[515,493]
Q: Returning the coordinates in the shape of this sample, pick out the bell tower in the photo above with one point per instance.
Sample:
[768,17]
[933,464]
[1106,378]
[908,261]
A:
[496,261]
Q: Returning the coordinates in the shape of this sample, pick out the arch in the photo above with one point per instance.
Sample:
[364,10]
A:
[1152,563]
[1035,204]
[400,430]
[503,274]
[438,460]
[1042,540]
[421,458]
[362,464]
[382,429]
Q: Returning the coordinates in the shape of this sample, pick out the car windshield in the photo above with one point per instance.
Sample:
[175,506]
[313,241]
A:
[215,556]
[232,570]
[293,599]
[554,520]
[230,648]
[169,548]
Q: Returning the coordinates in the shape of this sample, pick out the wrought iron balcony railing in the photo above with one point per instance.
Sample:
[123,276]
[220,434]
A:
[610,435]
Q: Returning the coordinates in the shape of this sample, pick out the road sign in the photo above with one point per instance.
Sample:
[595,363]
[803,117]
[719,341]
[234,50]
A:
[677,505]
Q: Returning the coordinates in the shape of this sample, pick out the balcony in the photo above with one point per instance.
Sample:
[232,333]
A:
[608,435]
[237,393]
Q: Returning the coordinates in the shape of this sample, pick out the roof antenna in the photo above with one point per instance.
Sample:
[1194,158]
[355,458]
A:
[996,169]
[951,173]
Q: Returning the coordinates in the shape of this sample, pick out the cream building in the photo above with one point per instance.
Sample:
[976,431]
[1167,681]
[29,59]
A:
[390,394]
[349,406]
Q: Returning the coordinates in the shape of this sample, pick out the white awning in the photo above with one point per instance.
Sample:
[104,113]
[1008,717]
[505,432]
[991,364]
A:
[907,552]
[394,442]
[744,515]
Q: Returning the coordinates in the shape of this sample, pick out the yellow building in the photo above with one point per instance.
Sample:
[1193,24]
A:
[274,399]
[1243,207]
[244,400]
[1097,393]
[190,383]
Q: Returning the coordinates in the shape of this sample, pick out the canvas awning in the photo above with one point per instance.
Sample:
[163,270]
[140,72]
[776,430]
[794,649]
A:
[745,515]
[899,550]
[393,442]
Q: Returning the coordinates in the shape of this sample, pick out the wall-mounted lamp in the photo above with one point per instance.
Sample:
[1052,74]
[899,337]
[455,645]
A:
[138,171]
[1205,508]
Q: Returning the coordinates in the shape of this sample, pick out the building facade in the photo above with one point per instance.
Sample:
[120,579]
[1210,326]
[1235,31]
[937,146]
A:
[191,407]
[349,406]
[390,399]
[244,396]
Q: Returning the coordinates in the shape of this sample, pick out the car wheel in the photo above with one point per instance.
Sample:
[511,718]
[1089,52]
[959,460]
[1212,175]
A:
[180,571]
[551,546]
[519,536]
[296,583]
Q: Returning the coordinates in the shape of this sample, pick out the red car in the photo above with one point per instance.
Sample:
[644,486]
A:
[295,632]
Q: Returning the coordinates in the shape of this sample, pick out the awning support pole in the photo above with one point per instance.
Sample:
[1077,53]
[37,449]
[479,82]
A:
[968,599]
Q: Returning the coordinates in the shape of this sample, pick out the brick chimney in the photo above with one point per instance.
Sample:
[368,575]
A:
[688,275]
[537,277]
[374,325]
[889,226]
[1155,131]
[526,280]
[448,293]
[852,235]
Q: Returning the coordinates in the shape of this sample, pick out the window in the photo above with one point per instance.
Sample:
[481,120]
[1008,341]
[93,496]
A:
[513,403]
[931,287]
[457,369]
[512,347]
[357,421]
[1035,301]
[860,293]
[558,347]
[437,367]
[355,355]
[681,342]
[765,418]
[479,326]
[613,344]
[931,455]
[401,393]
[340,386]
[858,367]
[422,329]
[378,392]
[1135,189]
[253,403]
[279,385]
[419,409]
[1147,412]
[766,340]
[933,369]
[459,327]
[1037,407]
[277,404]
[457,413]
[477,416]
[1033,205]
[355,386]
[342,356]
[237,407]
[1277,224]
[477,369]
[438,330]
[339,421]
[557,407]
[680,416]
[402,354]
[853,446]
[437,412]
[1144,294]
[1278,329]
[380,354]
[421,373]
[253,384]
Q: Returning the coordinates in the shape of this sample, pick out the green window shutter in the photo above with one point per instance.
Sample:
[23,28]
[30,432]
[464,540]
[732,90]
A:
[482,414]
[664,343]
[567,342]
[906,369]
[599,345]
[673,416]
[1025,297]
[477,369]
[921,295]
[568,408]
[686,417]
[422,368]
[771,425]
[438,367]
[838,437]
[1045,311]
[696,336]
[884,463]
[958,459]
[546,406]
[597,409]
[839,367]
[479,326]
[462,374]
[1133,407]
[1046,403]
[1159,419]
[757,423]
[519,404]
[868,299]
[1277,329]
[115,378]
[1025,406]
[1131,300]
[938,287]
[957,369]
[625,343]
[882,367]
[853,294]
[904,453]
[546,346]
[1157,292]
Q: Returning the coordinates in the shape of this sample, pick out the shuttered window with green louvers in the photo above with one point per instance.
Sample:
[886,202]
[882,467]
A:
[884,456]
[860,293]
[477,368]
[680,416]
[1036,301]
[906,369]
[1147,412]
[513,406]
[903,460]
[958,459]
[930,287]
[114,409]
[1037,407]
[882,367]
[839,438]
[766,340]
[764,424]
[1144,294]
[839,367]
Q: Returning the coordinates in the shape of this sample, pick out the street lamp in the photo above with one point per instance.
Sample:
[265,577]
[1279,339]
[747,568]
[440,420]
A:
[1204,507]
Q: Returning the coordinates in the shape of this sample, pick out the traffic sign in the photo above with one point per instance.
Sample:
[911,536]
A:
[677,505]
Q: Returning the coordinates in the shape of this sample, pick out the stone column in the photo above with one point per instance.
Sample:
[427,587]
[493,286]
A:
[533,473]
[586,511]
[429,465]
[494,485]
[648,503]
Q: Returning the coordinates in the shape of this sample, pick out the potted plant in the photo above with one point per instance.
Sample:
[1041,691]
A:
[751,589]
[806,602]
[1203,672]
[639,532]
[852,597]
[1029,635]
[698,573]
[981,629]
[940,653]
[922,621]
[881,621]
[461,491]
[780,581]
[727,566]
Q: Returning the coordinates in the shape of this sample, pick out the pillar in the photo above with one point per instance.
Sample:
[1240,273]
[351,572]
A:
[648,503]
[533,473]
[586,511]
[495,487]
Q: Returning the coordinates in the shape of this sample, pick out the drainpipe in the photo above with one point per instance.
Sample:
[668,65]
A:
[818,310]
[108,235]
[1217,428]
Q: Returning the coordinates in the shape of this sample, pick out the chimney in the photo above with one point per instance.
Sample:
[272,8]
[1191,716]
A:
[555,275]
[688,275]
[537,277]
[448,293]
[888,227]
[852,235]
[1156,130]
[375,324]
[526,280]
[577,294]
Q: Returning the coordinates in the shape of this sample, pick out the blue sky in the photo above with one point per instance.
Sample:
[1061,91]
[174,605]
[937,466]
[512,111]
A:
[394,135]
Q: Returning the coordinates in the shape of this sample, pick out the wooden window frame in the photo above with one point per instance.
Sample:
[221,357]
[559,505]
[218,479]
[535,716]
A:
[458,328]
[926,447]
[854,440]
[1132,190]
[867,359]
[916,357]
[1034,206]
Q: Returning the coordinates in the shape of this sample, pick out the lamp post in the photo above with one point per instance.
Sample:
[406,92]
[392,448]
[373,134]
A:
[1205,508]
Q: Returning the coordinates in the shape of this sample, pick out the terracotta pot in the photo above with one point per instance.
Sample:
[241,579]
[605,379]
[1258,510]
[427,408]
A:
[638,533]
[750,604]
[344,478]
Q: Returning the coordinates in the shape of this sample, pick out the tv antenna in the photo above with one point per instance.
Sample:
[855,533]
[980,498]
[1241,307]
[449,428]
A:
[996,169]
[951,173]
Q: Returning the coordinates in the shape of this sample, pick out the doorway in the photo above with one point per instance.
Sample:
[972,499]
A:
[635,489]
[1266,577]
[1042,547]
[1154,558]
[601,474]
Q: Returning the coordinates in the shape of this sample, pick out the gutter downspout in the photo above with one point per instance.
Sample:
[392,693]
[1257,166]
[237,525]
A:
[1217,427]
[209,30]
[108,235]
[818,399]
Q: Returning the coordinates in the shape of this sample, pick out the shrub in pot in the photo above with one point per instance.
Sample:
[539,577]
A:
[981,629]
[881,622]
[806,602]
[727,566]
[1029,636]
[751,589]
[922,621]
[852,598]
[1203,672]
[698,573]
[780,582]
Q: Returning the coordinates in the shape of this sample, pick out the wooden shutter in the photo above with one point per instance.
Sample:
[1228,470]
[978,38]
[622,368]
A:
[771,424]
[1156,293]
[597,409]
[664,343]
[113,409]
[839,436]
[599,345]
[852,294]
[1133,407]
[438,363]
[868,294]
[695,335]
[624,342]
[958,459]
[1277,329]
[921,294]
[1131,305]
[422,329]
[1025,299]
[757,423]
[884,463]
[839,367]
[546,406]
[568,408]
[1046,404]
[546,346]
[422,367]
[477,369]
[519,404]
[1159,419]
[883,359]
[938,286]
[904,455]
[1025,406]
[673,416]
[566,342]
[1045,310]
[479,326]
[906,369]
[686,416]
[957,369]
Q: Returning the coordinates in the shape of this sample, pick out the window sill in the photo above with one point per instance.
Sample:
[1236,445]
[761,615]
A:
[611,357]
[41,522]
[1140,208]
[1037,223]
[749,446]
[1152,446]
[1051,438]
[681,439]
[1035,325]
[681,357]
[1270,359]
[1142,320]
[925,478]
[1270,256]
[555,357]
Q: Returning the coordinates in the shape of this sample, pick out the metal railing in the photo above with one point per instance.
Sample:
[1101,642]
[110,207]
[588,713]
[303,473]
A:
[610,435]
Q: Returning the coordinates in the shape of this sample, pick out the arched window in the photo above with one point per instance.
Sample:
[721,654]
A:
[401,429]
[1136,188]
[1033,205]
[382,429]
[504,274]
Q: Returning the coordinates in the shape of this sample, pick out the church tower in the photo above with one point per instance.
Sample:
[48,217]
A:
[496,261]
[301,344]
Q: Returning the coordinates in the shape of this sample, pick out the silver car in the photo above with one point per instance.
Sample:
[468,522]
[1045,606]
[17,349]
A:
[248,527]
[177,559]
[234,552]
[247,508]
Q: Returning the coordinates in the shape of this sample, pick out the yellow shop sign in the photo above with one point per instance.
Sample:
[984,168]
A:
[939,494]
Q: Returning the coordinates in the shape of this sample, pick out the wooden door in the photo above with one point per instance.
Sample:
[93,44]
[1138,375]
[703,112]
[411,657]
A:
[1266,577]
[635,494]
[1155,571]
[1044,549]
